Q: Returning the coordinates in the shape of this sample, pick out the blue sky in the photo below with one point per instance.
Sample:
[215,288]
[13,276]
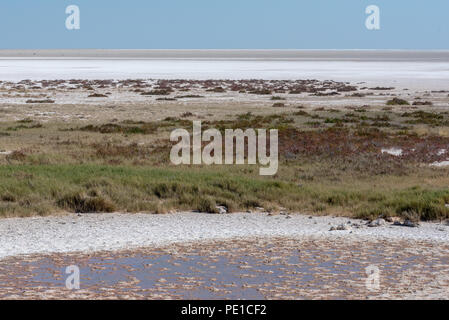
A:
[225,24]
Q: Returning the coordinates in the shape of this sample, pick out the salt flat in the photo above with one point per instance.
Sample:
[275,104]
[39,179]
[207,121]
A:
[428,70]
[97,232]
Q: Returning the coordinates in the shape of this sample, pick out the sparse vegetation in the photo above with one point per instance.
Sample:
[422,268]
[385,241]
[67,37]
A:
[397,101]
[331,158]
[422,103]
[40,101]
[157,92]
[97,95]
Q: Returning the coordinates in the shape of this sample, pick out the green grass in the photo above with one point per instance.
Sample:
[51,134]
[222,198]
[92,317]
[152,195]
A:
[414,203]
[45,189]
[42,189]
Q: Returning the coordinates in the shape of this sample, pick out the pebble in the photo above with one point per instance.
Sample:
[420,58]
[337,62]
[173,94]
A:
[341,227]
[377,223]
[221,209]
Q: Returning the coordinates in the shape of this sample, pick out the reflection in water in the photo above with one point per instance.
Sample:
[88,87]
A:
[256,269]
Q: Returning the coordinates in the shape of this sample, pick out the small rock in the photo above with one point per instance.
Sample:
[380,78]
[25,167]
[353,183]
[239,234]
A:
[393,219]
[377,223]
[221,209]
[411,224]
[407,223]
[341,227]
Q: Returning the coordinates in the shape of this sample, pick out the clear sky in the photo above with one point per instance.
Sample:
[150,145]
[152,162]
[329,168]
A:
[225,24]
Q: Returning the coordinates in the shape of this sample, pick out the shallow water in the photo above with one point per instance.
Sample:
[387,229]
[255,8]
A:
[229,270]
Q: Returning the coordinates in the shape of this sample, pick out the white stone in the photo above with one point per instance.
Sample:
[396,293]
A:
[393,151]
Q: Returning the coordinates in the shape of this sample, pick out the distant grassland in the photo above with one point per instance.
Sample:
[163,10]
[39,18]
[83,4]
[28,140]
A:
[330,163]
